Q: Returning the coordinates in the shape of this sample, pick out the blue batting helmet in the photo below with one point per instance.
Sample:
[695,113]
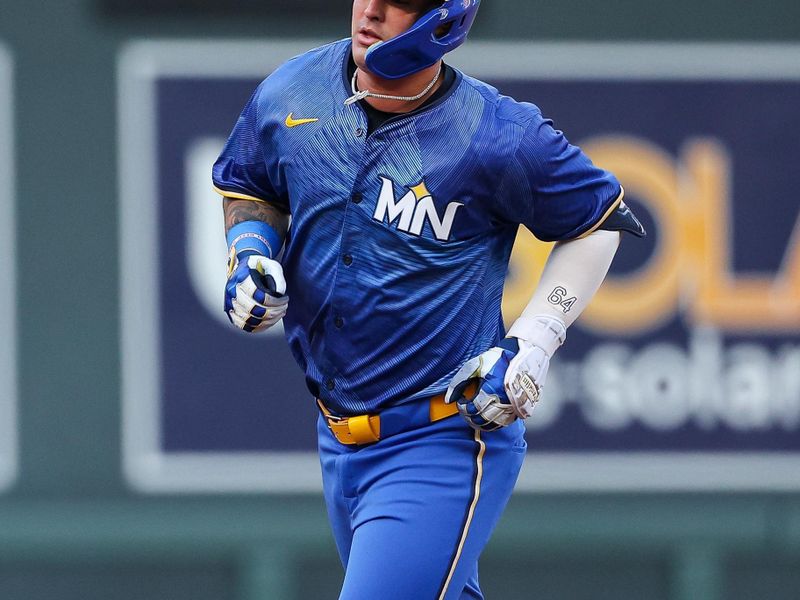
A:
[435,34]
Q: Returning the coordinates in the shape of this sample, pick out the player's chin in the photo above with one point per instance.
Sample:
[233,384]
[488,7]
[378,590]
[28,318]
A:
[360,54]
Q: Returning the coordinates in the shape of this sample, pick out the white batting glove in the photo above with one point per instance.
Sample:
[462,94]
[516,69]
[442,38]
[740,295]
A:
[255,295]
[538,337]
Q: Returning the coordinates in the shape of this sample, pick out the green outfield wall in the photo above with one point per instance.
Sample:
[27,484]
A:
[72,527]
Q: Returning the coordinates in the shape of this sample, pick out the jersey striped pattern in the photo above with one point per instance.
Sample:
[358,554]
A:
[400,240]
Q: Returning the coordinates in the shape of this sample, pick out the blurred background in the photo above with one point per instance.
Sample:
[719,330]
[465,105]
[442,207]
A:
[137,461]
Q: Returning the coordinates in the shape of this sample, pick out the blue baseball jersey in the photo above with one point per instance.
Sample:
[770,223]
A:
[400,240]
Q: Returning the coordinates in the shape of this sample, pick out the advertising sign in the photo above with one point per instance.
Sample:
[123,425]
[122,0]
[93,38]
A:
[684,373]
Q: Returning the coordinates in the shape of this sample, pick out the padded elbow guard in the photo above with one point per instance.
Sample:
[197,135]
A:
[623,219]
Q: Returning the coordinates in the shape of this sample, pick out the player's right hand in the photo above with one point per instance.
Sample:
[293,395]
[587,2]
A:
[255,295]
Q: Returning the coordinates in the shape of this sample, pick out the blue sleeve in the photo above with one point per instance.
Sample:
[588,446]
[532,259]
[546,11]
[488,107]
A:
[552,187]
[248,166]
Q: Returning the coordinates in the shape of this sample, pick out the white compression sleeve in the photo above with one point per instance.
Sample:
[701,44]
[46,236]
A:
[572,275]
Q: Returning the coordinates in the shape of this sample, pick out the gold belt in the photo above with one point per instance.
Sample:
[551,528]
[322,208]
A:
[366,429]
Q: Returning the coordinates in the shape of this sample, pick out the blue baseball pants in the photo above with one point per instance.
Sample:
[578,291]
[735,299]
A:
[411,513]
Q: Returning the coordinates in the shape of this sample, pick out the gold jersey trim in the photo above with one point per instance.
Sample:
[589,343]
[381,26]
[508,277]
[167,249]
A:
[237,195]
[607,214]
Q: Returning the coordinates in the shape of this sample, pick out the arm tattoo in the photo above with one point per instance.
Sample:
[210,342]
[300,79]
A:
[237,211]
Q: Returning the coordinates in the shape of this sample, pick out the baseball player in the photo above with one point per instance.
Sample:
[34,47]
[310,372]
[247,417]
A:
[372,195]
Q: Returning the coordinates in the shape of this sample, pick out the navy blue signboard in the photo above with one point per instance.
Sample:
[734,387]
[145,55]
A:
[684,373]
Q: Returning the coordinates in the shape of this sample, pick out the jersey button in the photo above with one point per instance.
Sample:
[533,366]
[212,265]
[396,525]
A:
[360,132]
[339,322]
[356,198]
[330,385]
[347,260]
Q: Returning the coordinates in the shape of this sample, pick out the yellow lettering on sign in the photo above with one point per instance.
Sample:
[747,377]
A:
[525,269]
[723,298]
[690,269]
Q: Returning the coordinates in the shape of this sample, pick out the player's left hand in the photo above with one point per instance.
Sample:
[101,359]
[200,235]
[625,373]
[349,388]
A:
[478,388]
[502,384]
[525,377]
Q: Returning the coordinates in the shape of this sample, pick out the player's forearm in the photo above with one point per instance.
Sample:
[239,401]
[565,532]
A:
[238,211]
[572,275]
[571,278]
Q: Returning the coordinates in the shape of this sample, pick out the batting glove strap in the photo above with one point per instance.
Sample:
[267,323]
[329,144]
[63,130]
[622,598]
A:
[255,236]
[544,331]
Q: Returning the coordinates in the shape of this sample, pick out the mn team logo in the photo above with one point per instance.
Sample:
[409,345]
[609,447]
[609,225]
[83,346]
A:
[413,210]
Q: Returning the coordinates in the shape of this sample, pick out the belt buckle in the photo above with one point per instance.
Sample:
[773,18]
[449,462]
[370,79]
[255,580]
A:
[364,429]
[357,430]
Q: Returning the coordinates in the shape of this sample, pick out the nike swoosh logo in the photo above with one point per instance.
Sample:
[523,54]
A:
[292,122]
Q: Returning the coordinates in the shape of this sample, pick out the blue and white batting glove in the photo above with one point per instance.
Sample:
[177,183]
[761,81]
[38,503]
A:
[502,384]
[255,295]
[478,388]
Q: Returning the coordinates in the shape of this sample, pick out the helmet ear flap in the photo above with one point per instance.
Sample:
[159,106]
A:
[437,32]
[443,30]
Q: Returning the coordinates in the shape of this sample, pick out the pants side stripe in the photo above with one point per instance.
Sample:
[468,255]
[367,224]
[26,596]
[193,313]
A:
[476,493]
